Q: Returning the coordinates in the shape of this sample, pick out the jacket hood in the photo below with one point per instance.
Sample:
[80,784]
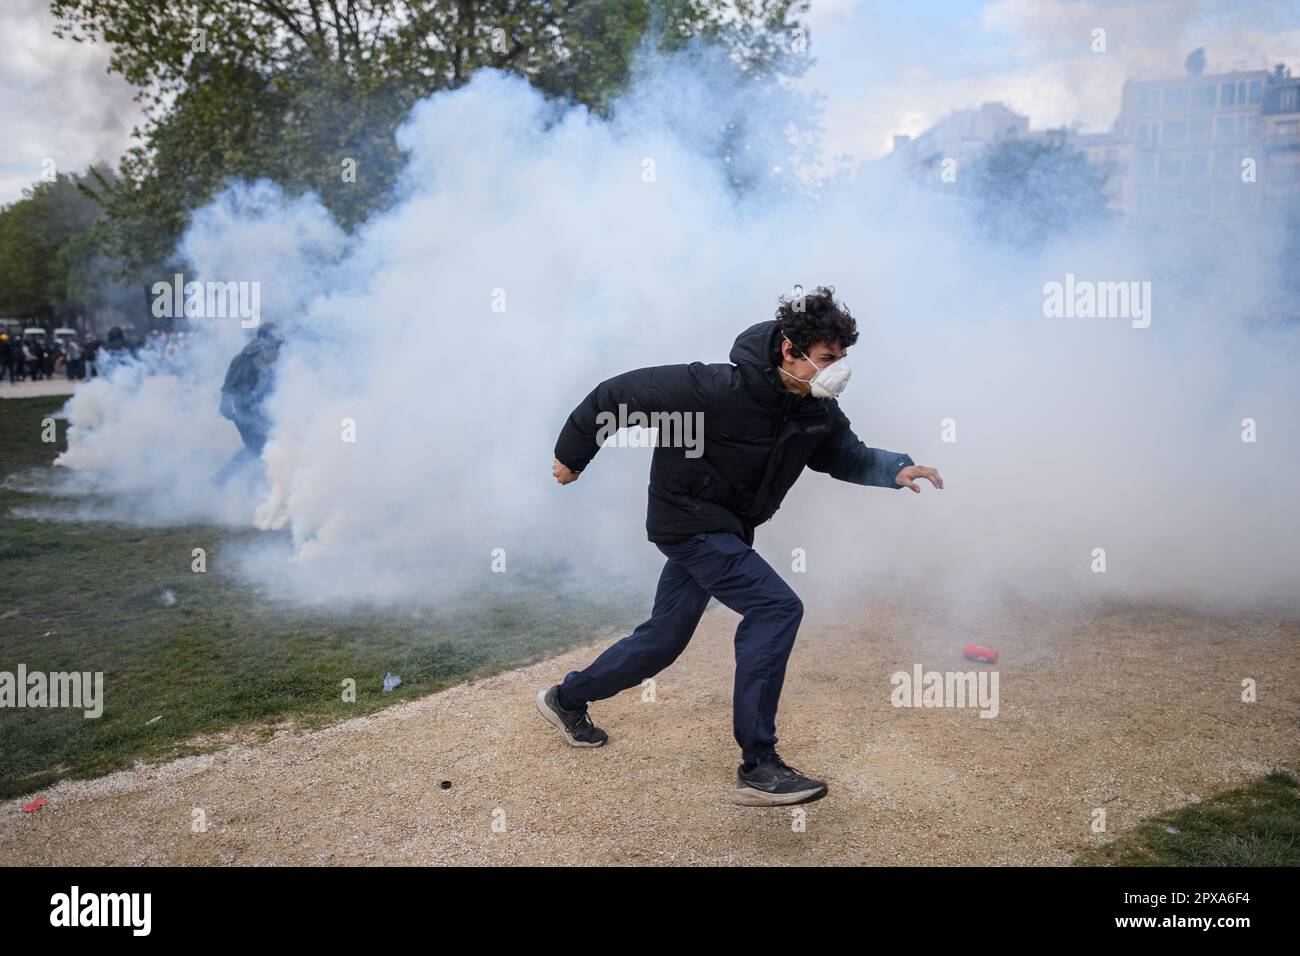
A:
[752,354]
[754,345]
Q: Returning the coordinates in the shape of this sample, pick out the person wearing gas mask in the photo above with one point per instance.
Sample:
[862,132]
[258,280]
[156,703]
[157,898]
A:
[767,415]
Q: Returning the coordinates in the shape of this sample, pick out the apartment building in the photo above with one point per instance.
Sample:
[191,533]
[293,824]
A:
[1197,144]
[1224,146]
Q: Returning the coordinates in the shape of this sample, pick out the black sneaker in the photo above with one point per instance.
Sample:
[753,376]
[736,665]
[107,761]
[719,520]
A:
[772,784]
[576,725]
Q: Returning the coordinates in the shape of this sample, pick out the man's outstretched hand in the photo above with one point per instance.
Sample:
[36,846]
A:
[907,477]
[563,475]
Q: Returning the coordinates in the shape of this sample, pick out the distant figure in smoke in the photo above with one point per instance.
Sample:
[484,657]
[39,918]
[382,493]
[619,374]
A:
[36,360]
[91,353]
[249,380]
[116,349]
[72,359]
[762,419]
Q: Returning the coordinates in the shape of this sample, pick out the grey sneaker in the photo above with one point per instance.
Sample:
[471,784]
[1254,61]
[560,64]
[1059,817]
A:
[576,725]
[773,784]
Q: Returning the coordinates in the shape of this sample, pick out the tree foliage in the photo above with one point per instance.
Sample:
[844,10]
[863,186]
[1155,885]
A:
[36,235]
[290,89]
[1025,192]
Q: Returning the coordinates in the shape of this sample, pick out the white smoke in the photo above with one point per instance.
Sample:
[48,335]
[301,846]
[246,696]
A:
[616,245]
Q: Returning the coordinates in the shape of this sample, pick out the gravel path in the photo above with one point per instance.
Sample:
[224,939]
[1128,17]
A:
[1132,710]
[30,389]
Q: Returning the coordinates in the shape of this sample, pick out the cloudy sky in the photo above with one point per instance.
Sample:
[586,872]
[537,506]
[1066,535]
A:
[883,68]
[889,68]
[59,101]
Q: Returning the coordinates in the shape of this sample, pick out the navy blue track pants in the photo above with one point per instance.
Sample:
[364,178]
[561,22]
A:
[720,565]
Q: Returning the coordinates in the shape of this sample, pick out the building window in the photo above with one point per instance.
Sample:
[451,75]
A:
[1289,128]
[1254,91]
[1203,97]
[1229,94]
[1224,129]
[1225,163]
[1175,100]
[1200,130]
[1144,102]
[1171,167]
[1147,169]
[1174,133]
[1195,165]
[1287,101]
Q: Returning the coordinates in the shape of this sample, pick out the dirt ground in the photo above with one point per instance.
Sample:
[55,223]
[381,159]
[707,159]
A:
[1131,710]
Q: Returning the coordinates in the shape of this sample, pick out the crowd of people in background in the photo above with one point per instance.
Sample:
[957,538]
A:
[25,358]
[249,378]
[81,357]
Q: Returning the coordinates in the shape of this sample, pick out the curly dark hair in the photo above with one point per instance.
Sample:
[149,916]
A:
[811,318]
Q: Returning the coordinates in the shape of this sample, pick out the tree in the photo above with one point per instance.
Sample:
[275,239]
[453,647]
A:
[1024,192]
[33,232]
[289,89]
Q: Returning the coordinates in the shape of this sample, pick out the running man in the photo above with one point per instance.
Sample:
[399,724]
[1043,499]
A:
[766,415]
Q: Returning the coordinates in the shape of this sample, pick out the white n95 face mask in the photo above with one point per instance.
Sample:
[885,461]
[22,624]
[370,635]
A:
[827,382]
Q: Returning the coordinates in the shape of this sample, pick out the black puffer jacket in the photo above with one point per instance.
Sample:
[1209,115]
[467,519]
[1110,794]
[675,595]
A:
[757,438]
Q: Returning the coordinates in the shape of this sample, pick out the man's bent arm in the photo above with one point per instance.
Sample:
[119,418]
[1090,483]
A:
[660,388]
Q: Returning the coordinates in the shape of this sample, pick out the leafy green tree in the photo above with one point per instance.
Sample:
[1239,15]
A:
[24,263]
[289,89]
[88,283]
[33,232]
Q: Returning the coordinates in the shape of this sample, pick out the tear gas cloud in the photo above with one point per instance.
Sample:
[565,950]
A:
[529,256]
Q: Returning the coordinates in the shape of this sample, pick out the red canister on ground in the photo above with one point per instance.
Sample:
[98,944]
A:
[977,652]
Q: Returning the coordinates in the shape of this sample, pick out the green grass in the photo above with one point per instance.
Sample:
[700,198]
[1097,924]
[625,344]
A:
[86,597]
[1254,825]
